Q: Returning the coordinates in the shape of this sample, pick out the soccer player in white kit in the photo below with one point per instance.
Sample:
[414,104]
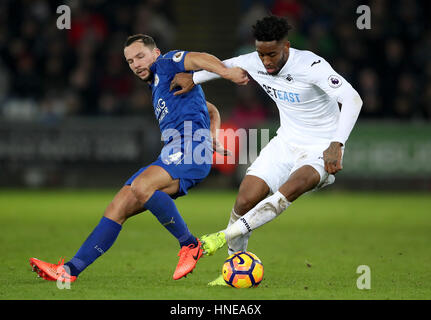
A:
[318,110]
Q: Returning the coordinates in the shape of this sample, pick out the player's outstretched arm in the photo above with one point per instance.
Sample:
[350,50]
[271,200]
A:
[208,62]
[187,81]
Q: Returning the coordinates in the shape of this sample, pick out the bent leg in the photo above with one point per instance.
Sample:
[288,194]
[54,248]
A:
[152,179]
[300,181]
[251,191]
[153,188]
[123,206]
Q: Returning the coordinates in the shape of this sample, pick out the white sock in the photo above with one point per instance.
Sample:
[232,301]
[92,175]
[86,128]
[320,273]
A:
[239,243]
[266,210]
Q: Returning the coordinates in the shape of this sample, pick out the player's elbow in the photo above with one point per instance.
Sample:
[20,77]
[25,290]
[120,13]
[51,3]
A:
[357,101]
[353,99]
[212,109]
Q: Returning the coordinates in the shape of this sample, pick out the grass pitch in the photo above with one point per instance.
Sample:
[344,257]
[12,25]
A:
[312,251]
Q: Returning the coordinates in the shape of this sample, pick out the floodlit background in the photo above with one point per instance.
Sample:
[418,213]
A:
[70,108]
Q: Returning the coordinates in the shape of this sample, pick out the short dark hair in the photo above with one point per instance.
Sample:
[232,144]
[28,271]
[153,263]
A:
[271,28]
[146,40]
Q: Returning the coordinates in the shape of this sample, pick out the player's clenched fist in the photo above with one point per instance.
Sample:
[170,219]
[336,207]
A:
[332,158]
[237,75]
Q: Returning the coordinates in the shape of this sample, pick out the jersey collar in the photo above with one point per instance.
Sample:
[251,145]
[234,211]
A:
[153,66]
[153,71]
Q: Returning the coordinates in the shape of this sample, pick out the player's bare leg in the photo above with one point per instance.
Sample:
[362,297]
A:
[302,180]
[129,201]
[152,188]
[251,191]
[152,179]
[126,204]
[123,206]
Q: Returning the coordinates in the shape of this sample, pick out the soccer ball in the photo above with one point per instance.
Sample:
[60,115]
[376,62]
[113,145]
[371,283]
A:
[242,269]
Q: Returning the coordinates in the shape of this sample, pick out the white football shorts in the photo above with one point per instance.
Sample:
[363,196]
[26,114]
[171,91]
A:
[278,160]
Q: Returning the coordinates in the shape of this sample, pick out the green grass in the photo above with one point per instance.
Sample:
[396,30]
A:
[311,251]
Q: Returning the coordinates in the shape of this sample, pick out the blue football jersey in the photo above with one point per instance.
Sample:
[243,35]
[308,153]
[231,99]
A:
[172,111]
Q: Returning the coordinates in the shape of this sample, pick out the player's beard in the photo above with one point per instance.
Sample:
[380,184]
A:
[280,64]
[149,76]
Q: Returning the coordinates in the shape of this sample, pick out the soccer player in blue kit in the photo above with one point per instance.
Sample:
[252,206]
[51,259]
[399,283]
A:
[185,159]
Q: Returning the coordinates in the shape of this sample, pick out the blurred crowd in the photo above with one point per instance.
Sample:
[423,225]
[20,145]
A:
[47,73]
[389,64]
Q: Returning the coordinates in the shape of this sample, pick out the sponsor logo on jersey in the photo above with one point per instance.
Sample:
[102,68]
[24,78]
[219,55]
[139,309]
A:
[334,81]
[289,77]
[161,110]
[282,95]
[315,62]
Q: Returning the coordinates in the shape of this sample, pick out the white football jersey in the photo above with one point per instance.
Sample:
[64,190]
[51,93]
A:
[306,91]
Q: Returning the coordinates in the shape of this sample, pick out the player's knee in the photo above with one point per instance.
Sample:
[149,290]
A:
[297,187]
[141,191]
[243,204]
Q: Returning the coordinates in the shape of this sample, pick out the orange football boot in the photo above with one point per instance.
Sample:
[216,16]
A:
[189,256]
[50,271]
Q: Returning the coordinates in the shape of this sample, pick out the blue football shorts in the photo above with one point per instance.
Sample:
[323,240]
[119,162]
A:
[187,160]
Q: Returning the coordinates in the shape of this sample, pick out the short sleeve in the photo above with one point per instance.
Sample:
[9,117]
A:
[171,62]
